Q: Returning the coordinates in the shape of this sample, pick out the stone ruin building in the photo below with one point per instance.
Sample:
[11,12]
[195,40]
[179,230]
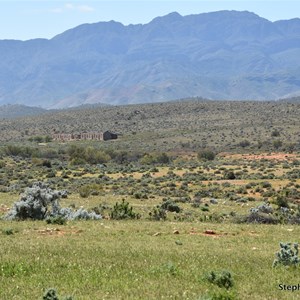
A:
[94,135]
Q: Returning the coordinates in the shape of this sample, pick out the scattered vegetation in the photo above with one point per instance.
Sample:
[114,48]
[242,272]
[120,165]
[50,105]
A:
[221,182]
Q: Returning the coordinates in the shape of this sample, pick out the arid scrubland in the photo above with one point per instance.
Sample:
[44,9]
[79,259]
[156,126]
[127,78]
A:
[192,202]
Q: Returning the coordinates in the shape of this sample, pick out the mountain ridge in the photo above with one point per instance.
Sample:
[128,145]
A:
[219,55]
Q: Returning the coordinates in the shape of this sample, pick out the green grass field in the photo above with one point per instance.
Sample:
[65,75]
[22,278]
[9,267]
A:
[142,260]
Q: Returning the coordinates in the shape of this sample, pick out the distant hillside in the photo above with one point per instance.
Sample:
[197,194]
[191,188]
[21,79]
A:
[219,55]
[171,126]
[291,100]
[11,111]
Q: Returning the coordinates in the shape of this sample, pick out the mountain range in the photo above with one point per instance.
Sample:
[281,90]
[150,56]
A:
[219,55]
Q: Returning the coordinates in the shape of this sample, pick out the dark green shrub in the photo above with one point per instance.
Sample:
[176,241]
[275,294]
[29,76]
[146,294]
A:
[8,231]
[281,201]
[46,163]
[170,205]
[275,133]
[229,175]
[158,214]
[206,154]
[205,208]
[58,220]
[277,144]
[51,294]
[244,144]
[162,158]
[123,211]
[221,279]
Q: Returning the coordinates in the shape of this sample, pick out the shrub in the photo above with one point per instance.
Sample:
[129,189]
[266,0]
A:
[287,256]
[46,163]
[8,231]
[168,268]
[80,214]
[123,211]
[90,189]
[282,201]
[277,144]
[244,143]
[162,158]
[263,208]
[14,150]
[94,156]
[229,175]
[34,204]
[149,159]
[262,214]
[275,133]
[221,279]
[59,220]
[158,214]
[84,191]
[206,155]
[170,205]
[51,294]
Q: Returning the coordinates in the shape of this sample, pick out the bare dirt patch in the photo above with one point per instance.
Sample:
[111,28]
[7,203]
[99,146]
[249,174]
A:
[57,231]
[268,156]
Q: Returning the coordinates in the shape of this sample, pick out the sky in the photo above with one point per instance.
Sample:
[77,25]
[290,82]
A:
[24,20]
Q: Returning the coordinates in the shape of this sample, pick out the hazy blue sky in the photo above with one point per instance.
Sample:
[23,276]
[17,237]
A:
[41,18]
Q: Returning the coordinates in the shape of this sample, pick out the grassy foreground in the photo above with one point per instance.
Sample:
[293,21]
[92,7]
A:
[142,260]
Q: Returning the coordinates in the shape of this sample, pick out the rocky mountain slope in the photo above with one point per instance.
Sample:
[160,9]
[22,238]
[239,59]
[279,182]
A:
[220,55]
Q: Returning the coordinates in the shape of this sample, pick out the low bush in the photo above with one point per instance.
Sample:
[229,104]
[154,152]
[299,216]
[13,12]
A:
[158,214]
[287,255]
[123,211]
[8,231]
[170,205]
[221,279]
[206,154]
[51,294]
[35,202]
[58,220]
